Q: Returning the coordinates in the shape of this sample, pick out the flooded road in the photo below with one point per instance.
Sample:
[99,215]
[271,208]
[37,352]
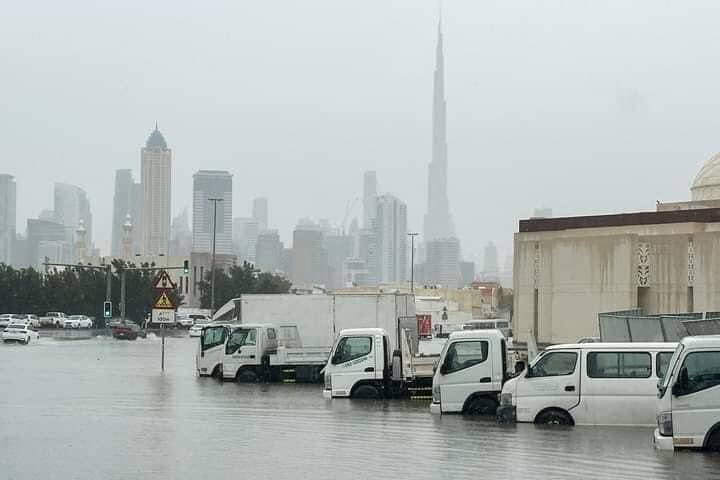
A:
[100,408]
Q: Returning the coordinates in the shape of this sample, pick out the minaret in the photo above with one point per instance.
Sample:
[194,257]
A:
[127,239]
[80,242]
[438,222]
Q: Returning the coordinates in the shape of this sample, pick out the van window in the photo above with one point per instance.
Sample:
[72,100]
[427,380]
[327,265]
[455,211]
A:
[351,348]
[662,360]
[461,355]
[619,364]
[271,334]
[554,364]
[703,370]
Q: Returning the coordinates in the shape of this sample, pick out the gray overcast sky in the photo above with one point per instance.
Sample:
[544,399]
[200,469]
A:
[582,106]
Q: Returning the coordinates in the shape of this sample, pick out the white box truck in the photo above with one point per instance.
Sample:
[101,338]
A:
[306,326]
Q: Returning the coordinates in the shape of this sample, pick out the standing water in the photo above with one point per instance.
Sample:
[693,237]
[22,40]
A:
[100,408]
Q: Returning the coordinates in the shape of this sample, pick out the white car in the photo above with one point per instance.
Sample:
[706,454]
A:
[200,322]
[183,321]
[19,332]
[32,320]
[78,321]
[8,318]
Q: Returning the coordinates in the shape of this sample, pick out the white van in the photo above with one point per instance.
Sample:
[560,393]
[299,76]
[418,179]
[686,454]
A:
[471,370]
[588,384]
[688,403]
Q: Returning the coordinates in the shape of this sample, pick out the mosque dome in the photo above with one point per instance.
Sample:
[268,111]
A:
[156,140]
[707,183]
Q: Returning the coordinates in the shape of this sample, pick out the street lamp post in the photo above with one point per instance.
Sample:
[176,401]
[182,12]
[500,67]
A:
[412,260]
[212,262]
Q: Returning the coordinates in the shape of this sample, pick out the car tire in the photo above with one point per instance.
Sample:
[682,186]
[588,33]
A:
[554,416]
[713,443]
[481,406]
[368,392]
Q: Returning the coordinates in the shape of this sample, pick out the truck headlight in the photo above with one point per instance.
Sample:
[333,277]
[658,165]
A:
[665,426]
[328,381]
[436,394]
[506,399]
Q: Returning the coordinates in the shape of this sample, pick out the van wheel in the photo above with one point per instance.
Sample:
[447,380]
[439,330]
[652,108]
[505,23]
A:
[217,372]
[481,406]
[246,376]
[366,391]
[713,443]
[554,416]
[27,340]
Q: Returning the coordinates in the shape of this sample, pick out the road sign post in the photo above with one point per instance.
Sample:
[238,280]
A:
[163,310]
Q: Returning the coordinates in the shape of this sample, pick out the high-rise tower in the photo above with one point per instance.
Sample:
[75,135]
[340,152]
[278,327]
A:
[213,184]
[156,160]
[438,222]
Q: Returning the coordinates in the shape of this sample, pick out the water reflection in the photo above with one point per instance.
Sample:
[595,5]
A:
[100,408]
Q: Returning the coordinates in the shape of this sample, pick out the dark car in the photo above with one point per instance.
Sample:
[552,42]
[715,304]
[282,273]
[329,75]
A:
[128,331]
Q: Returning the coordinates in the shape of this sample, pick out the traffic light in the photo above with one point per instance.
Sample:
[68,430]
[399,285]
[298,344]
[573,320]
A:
[107,309]
[186,266]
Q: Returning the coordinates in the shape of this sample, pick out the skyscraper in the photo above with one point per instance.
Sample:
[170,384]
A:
[156,169]
[490,259]
[245,237]
[181,237]
[438,222]
[260,212]
[442,266]
[126,201]
[8,212]
[388,256]
[269,251]
[72,206]
[369,197]
[209,184]
[309,258]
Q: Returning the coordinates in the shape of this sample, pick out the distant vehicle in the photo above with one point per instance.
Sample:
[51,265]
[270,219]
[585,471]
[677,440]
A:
[71,322]
[8,318]
[184,321]
[588,384]
[490,324]
[33,320]
[19,333]
[79,321]
[199,318]
[115,322]
[197,328]
[128,331]
[53,319]
[688,403]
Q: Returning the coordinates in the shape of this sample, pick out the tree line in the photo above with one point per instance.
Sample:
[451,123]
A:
[81,291]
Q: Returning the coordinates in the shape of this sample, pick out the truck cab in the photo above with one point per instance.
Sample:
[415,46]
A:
[246,356]
[688,400]
[470,373]
[363,365]
[211,349]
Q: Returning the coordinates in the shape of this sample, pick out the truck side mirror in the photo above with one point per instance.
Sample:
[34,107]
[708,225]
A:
[443,369]
[530,372]
[519,367]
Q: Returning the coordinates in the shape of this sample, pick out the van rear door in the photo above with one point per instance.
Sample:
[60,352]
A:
[553,381]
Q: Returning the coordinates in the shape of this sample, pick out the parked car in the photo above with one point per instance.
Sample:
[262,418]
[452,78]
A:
[33,320]
[183,320]
[79,321]
[53,319]
[8,318]
[128,331]
[19,333]
[71,322]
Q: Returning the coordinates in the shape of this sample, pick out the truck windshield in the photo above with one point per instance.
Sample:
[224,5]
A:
[241,337]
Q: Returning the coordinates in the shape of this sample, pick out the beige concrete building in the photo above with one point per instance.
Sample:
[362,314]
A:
[568,270]
[155,179]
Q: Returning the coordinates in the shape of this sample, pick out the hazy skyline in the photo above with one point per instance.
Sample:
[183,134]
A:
[582,107]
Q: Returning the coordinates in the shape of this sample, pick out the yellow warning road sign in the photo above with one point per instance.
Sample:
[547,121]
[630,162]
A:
[164,282]
[163,302]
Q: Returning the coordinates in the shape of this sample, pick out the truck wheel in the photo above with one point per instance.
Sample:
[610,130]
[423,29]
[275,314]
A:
[554,416]
[713,443]
[246,376]
[27,340]
[366,391]
[481,406]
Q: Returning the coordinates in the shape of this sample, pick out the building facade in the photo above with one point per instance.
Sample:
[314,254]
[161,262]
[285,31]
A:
[245,237]
[442,263]
[269,252]
[309,258]
[8,218]
[569,270]
[71,207]
[388,252]
[260,212]
[156,177]
[207,185]
[127,200]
